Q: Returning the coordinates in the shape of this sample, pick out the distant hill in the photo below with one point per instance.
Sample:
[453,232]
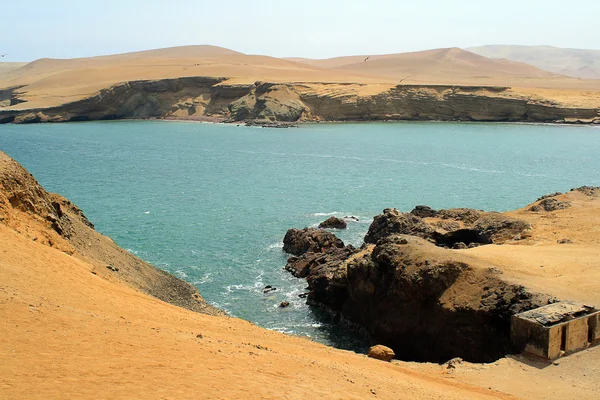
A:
[449,65]
[578,63]
[6,67]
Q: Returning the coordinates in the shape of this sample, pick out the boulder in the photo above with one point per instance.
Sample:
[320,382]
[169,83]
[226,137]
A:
[301,266]
[424,212]
[393,222]
[300,241]
[381,352]
[588,190]
[333,223]
[550,204]
[496,228]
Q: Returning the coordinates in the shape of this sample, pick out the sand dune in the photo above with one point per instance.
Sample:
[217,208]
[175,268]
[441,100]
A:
[447,66]
[56,81]
[50,82]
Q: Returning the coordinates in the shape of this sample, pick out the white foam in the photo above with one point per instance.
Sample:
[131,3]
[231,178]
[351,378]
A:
[320,214]
[278,245]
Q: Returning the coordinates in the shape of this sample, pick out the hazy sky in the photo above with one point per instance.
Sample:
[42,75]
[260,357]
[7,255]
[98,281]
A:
[306,28]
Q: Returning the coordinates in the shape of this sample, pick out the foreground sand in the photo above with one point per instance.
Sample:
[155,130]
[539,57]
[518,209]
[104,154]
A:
[69,333]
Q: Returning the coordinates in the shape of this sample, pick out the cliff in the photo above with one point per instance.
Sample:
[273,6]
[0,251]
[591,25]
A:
[204,98]
[425,285]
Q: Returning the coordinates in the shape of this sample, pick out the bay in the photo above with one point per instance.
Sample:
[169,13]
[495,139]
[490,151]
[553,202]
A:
[211,203]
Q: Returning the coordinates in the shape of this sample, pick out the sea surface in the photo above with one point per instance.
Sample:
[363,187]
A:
[211,203]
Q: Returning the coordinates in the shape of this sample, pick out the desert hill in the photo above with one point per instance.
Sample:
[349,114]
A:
[444,66]
[52,82]
[49,82]
[578,63]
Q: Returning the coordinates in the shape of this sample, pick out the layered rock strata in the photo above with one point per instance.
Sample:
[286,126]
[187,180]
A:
[264,102]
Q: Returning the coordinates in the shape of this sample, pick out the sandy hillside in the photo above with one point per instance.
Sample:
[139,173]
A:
[449,66]
[53,81]
[49,82]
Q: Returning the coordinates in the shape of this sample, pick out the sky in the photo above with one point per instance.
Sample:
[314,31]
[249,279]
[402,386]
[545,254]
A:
[33,29]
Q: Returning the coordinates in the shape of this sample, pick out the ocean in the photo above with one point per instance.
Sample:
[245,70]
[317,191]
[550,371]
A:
[211,203]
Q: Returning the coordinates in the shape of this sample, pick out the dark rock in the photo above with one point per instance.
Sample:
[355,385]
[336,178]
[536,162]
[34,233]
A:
[424,212]
[393,222]
[333,223]
[546,196]
[303,295]
[352,217]
[300,241]
[588,190]
[496,227]
[459,246]
[269,289]
[112,268]
[550,204]
[301,266]
[564,241]
[284,304]
[399,293]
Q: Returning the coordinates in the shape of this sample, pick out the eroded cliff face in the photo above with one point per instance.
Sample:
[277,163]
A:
[217,99]
[54,221]
[408,291]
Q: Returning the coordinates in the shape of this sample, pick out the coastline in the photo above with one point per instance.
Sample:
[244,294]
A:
[207,99]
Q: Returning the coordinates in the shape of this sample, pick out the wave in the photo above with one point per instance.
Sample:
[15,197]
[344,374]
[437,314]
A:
[278,245]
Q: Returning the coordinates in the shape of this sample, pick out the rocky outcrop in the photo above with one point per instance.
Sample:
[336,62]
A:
[300,241]
[333,223]
[467,226]
[425,302]
[393,221]
[550,204]
[217,99]
[406,289]
[54,221]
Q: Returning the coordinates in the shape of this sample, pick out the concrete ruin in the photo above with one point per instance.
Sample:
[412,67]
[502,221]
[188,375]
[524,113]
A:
[556,329]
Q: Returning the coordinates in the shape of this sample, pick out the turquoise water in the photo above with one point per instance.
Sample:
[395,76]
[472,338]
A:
[211,203]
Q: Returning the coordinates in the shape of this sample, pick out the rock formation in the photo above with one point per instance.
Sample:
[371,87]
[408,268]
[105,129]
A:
[265,102]
[408,292]
[333,223]
[300,241]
